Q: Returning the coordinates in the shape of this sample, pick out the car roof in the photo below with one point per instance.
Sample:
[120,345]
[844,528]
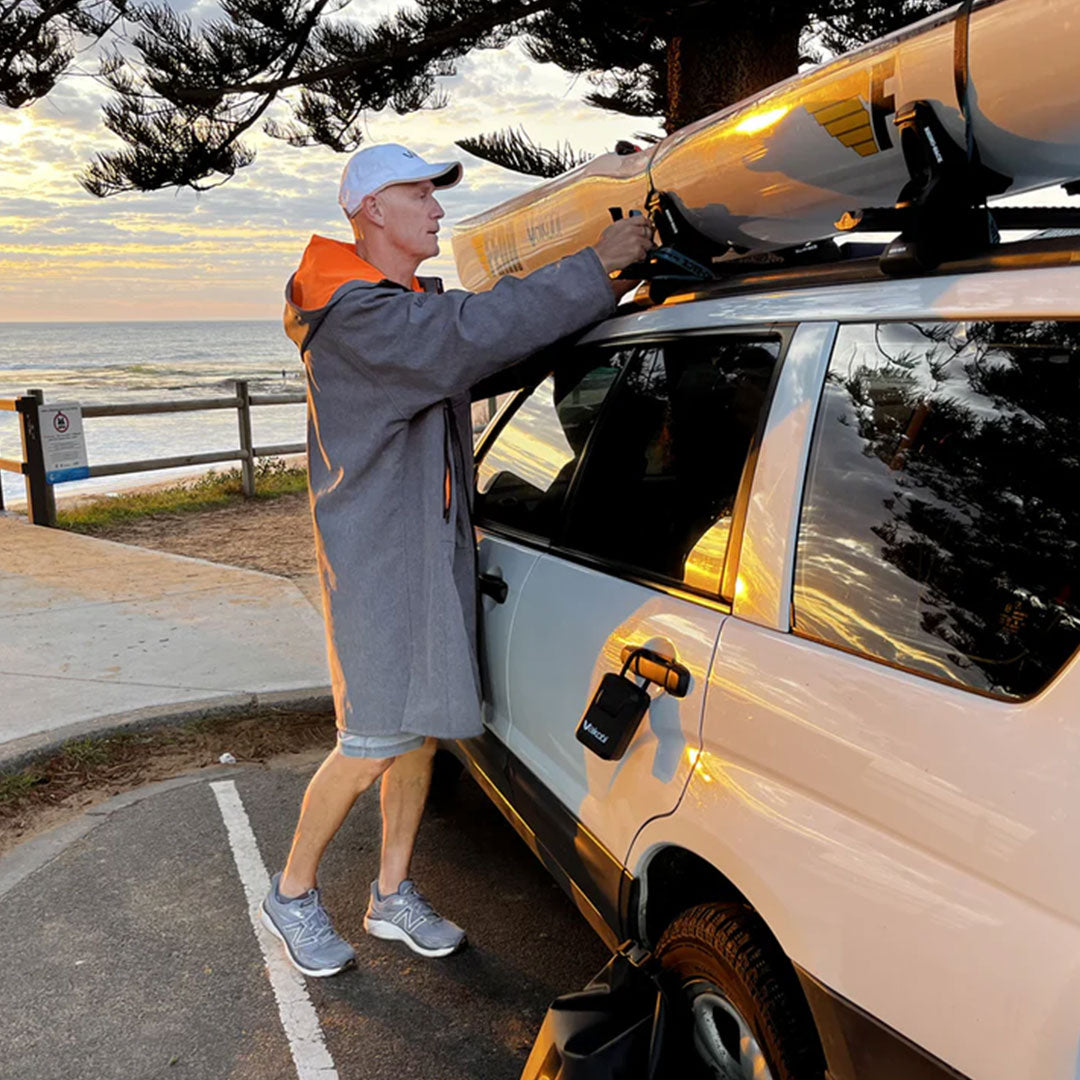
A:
[1030,280]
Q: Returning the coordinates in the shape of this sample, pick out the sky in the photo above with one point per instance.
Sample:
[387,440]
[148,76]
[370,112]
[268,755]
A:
[226,253]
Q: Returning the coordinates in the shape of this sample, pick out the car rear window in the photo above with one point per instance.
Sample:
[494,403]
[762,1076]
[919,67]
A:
[940,528]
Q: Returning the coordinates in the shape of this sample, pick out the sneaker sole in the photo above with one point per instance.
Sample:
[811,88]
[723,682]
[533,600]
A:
[388,931]
[314,972]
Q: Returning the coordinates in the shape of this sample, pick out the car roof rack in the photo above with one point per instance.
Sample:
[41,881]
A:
[941,212]
[686,258]
[862,265]
[941,215]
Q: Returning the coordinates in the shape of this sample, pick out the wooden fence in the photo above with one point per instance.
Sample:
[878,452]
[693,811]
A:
[41,505]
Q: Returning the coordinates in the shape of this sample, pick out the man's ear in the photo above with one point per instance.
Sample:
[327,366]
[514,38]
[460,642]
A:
[371,210]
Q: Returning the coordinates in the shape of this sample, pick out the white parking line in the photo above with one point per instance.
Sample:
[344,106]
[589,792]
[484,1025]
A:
[298,1018]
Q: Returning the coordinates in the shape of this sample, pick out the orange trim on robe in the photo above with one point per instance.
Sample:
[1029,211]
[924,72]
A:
[326,266]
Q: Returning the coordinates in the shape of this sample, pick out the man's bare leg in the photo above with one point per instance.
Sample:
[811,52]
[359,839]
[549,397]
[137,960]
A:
[404,791]
[327,802]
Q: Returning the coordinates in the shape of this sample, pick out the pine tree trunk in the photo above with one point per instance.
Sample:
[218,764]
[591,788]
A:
[714,64]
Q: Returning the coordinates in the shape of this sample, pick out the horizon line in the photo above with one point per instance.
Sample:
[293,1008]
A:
[99,322]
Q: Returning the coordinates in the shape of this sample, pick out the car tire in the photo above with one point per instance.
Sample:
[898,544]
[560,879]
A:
[732,998]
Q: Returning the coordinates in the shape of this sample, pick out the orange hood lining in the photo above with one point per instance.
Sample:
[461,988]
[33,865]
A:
[325,267]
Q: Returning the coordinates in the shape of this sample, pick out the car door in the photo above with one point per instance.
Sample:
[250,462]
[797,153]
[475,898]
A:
[524,468]
[636,558]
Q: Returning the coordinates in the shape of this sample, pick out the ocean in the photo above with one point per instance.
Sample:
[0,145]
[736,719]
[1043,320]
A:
[101,362]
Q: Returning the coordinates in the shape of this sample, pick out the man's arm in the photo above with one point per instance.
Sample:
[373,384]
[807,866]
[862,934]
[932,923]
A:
[424,347]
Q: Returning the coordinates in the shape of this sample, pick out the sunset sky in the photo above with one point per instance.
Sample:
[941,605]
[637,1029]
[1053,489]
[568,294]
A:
[226,253]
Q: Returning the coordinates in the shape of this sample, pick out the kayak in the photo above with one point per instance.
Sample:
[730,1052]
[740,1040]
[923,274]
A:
[779,169]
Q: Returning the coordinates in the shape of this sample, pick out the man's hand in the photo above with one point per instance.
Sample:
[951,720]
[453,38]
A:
[624,242]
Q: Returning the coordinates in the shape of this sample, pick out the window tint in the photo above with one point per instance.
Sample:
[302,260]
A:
[941,523]
[522,479]
[657,491]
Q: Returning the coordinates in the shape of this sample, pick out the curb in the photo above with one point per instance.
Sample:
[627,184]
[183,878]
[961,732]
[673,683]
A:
[33,854]
[20,753]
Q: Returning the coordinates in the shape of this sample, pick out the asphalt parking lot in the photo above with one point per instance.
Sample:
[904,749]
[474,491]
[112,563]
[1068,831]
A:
[131,953]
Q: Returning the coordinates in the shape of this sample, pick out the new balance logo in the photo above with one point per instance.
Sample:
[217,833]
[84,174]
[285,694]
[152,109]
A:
[409,920]
[596,733]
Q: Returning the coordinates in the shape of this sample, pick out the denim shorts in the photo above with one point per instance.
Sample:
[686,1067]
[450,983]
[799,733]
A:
[378,746]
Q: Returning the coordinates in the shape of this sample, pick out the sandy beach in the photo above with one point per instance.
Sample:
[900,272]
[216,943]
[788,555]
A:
[272,535]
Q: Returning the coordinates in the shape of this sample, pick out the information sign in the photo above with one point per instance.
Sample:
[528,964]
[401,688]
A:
[63,442]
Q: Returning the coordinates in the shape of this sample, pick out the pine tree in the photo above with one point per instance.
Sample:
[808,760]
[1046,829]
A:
[38,40]
[185,95]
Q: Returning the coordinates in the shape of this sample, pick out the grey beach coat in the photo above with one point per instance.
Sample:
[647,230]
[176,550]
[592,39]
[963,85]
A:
[389,437]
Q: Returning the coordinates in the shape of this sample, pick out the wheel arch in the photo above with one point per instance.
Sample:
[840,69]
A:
[673,879]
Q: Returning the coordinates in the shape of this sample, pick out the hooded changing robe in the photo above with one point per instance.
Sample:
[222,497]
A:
[389,436]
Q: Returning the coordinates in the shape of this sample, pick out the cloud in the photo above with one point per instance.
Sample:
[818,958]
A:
[227,252]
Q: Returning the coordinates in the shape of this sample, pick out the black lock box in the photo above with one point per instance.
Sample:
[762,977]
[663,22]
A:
[613,715]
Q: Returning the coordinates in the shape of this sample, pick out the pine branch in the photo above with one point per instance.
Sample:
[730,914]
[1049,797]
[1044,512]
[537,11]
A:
[629,103]
[36,42]
[516,151]
[491,16]
[168,146]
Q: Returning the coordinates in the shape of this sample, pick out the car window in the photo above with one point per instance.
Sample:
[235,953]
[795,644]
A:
[941,523]
[523,477]
[657,490]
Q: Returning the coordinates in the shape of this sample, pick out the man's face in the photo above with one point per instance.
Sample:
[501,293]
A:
[411,216]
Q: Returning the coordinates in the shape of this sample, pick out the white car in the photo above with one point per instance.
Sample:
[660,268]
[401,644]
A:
[843,511]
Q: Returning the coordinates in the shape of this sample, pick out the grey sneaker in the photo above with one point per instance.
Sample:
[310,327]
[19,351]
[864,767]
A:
[303,926]
[407,916]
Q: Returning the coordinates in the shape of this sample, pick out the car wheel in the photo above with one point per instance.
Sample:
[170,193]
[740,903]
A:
[736,1009]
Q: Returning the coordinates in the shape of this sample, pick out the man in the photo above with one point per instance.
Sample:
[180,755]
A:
[390,361]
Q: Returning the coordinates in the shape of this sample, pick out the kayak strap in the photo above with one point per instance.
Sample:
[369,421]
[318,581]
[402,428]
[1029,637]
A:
[684,254]
[962,73]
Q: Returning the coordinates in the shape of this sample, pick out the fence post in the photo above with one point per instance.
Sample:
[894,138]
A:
[40,503]
[247,466]
[493,407]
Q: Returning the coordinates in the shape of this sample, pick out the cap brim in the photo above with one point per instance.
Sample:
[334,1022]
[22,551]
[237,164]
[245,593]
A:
[447,175]
[444,175]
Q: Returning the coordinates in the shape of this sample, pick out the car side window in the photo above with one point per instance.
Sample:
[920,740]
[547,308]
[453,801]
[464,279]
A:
[523,477]
[940,529]
[657,491]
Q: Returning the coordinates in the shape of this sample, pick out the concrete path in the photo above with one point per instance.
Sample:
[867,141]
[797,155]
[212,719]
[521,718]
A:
[133,955]
[95,634]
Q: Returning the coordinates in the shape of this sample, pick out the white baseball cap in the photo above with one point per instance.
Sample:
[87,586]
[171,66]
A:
[375,167]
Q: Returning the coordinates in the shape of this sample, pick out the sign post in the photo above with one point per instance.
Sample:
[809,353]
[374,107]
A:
[40,505]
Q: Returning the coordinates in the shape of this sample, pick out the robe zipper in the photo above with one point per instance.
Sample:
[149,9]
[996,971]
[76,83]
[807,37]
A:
[447,475]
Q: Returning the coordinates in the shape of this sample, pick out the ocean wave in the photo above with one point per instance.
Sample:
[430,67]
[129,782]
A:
[104,363]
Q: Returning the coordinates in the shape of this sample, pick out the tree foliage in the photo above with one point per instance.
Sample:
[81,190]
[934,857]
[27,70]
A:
[38,40]
[185,94]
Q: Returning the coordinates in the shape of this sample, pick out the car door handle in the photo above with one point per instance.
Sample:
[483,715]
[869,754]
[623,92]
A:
[493,585]
[672,676]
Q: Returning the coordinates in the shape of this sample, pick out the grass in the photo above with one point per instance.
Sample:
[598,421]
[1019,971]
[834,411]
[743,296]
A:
[87,771]
[273,477]
[17,787]
[84,753]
